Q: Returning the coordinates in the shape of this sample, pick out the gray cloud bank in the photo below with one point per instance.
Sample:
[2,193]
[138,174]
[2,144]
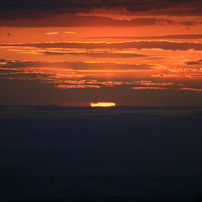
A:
[165,45]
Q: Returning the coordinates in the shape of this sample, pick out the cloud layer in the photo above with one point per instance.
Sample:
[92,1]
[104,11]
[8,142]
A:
[165,45]
[128,50]
[84,13]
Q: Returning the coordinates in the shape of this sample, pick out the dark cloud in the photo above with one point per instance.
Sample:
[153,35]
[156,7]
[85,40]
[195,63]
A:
[39,9]
[18,63]
[54,53]
[193,63]
[8,71]
[76,65]
[85,5]
[75,21]
[16,69]
[174,36]
[199,62]
[165,45]
[107,66]
[3,60]
[190,23]
[22,75]
[100,55]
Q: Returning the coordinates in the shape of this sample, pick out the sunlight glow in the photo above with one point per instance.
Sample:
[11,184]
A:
[102,104]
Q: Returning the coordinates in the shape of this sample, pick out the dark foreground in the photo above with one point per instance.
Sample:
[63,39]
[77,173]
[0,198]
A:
[99,155]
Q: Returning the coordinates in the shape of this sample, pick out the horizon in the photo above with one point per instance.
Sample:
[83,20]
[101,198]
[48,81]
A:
[117,106]
[76,52]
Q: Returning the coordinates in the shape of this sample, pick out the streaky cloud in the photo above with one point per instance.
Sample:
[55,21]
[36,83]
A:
[174,36]
[98,55]
[164,45]
[198,62]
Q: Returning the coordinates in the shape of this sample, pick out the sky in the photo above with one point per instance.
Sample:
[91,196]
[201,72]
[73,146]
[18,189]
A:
[73,52]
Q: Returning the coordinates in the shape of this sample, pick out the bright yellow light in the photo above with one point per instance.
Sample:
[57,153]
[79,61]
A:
[102,104]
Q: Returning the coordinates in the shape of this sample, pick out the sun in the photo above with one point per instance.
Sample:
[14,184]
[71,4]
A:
[102,104]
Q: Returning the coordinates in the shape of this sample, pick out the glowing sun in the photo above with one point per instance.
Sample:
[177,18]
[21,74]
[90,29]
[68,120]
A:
[102,104]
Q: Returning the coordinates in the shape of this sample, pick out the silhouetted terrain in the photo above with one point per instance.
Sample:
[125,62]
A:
[91,154]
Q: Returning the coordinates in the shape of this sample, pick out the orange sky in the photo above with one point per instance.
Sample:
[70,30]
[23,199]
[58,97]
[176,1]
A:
[127,52]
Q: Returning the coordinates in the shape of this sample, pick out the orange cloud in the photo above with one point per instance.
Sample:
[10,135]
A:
[70,33]
[146,88]
[62,86]
[191,89]
[52,33]
[150,83]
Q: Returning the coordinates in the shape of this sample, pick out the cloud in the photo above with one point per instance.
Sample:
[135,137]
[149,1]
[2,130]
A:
[96,66]
[154,85]
[4,72]
[23,75]
[22,70]
[93,19]
[3,60]
[70,33]
[66,75]
[151,85]
[175,36]
[40,10]
[165,45]
[149,88]
[73,20]
[18,63]
[89,83]
[76,86]
[54,6]
[98,54]
[191,89]
[72,75]
[199,62]
[52,33]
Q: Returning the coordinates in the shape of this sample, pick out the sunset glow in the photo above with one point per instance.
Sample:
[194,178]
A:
[102,51]
[102,104]
[101,100]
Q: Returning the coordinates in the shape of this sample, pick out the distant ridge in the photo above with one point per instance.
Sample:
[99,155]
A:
[114,199]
